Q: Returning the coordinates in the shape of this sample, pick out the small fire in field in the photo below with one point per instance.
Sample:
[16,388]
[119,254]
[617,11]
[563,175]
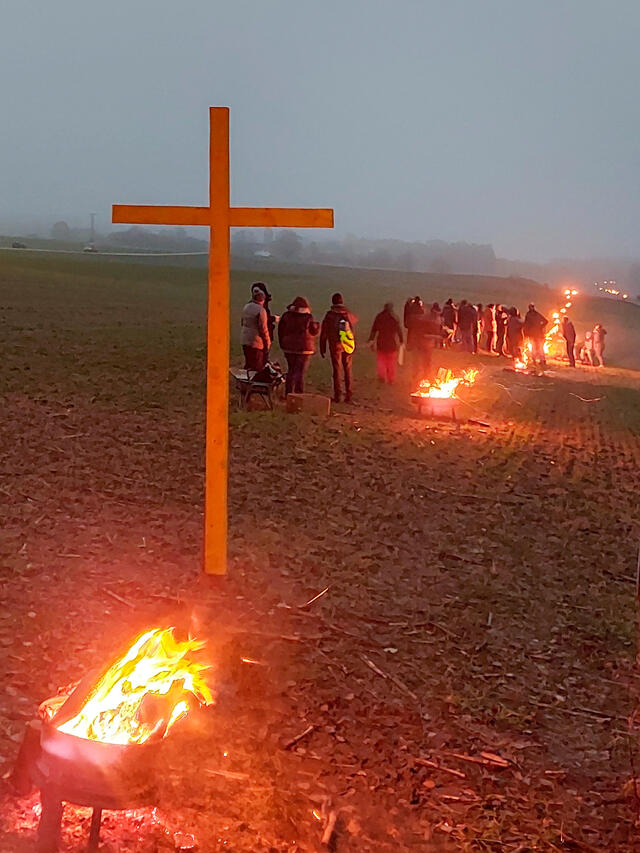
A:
[144,693]
[445,384]
[522,364]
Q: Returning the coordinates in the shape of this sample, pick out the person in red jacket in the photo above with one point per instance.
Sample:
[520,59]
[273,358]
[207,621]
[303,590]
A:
[297,332]
[386,328]
[336,334]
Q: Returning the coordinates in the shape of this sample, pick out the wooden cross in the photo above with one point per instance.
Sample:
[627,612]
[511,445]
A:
[219,217]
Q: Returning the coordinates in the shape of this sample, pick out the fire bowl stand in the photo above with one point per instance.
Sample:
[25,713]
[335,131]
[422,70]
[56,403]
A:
[436,407]
[51,822]
[72,770]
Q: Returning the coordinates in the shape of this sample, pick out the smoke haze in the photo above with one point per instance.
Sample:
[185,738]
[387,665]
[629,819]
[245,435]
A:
[493,122]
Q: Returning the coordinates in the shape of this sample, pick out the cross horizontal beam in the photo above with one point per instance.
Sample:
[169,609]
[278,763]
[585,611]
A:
[239,217]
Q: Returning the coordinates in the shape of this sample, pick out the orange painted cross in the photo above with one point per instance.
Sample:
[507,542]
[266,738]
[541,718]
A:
[219,216]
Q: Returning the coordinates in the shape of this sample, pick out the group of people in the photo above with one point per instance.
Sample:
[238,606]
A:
[493,328]
[297,336]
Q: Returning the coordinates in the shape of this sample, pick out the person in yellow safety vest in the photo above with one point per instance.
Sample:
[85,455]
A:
[337,335]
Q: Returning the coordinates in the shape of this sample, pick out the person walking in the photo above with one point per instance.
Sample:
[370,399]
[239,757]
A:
[534,330]
[255,337]
[599,334]
[297,332]
[569,334]
[337,336]
[387,336]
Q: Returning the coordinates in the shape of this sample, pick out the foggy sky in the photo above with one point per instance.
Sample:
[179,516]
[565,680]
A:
[511,122]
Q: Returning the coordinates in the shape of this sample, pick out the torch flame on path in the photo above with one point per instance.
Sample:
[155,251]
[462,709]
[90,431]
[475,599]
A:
[553,341]
[144,693]
[445,384]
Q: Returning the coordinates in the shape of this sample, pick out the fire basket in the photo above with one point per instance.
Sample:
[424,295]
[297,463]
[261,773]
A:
[437,398]
[99,747]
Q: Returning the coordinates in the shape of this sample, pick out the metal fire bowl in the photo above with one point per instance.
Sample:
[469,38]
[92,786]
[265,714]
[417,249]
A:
[92,773]
[435,407]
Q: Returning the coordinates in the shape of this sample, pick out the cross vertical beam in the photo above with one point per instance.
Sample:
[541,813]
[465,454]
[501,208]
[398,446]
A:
[217,429]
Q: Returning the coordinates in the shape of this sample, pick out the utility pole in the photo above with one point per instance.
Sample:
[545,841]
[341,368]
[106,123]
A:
[92,235]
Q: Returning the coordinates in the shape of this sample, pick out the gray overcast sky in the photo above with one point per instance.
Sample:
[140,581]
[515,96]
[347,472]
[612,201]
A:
[514,122]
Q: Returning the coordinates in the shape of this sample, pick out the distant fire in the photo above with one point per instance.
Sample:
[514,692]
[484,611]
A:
[554,344]
[445,384]
[144,693]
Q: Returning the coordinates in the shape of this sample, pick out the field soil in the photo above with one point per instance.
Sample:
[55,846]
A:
[466,680]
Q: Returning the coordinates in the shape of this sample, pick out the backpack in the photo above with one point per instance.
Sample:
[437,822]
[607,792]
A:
[346,336]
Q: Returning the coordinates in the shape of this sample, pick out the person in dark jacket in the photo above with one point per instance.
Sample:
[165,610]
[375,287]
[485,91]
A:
[429,336]
[387,334]
[514,335]
[467,326]
[337,323]
[569,335]
[297,332]
[435,318]
[412,307]
[534,330]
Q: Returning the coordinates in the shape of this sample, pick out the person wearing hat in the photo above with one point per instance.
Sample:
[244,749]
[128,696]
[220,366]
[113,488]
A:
[297,332]
[272,319]
[337,335]
[256,340]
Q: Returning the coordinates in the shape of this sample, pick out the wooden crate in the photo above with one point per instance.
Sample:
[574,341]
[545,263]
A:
[308,404]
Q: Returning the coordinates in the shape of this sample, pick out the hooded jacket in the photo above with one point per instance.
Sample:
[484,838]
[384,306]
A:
[297,331]
[387,327]
[330,332]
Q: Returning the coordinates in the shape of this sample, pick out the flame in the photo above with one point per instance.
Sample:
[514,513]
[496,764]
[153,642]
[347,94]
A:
[554,344]
[144,693]
[445,384]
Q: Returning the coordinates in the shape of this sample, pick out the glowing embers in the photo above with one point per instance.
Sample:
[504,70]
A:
[445,385]
[144,693]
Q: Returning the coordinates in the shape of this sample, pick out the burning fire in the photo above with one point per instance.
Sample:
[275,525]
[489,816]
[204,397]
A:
[445,384]
[553,340]
[553,344]
[144,693]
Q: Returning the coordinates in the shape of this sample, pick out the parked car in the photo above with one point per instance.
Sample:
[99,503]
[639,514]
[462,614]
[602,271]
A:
[90,248]
[18,245]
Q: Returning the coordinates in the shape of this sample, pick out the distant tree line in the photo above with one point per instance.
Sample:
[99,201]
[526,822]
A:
[431,256]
